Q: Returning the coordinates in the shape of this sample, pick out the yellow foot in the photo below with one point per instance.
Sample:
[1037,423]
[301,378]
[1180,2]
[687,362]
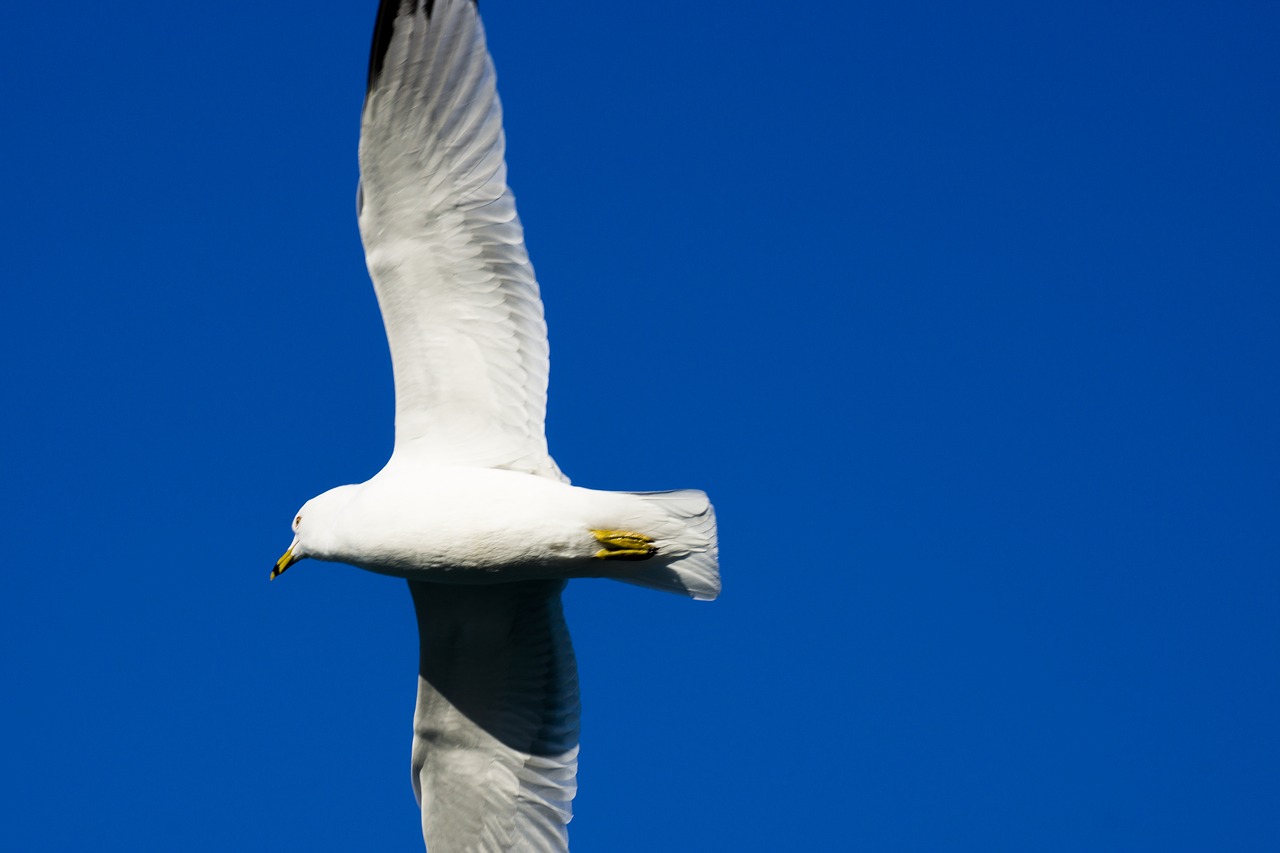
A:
[624,545]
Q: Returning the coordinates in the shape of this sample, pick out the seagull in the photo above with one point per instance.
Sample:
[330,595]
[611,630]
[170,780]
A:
[470,509]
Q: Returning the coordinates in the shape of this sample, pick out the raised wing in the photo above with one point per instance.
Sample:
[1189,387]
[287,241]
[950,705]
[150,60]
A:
[445,248]
[495,733]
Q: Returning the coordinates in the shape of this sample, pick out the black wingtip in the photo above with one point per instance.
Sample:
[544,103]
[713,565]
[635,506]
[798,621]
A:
[384,28]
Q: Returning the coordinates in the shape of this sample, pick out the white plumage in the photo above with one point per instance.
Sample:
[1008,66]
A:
[470,508]
[445,248]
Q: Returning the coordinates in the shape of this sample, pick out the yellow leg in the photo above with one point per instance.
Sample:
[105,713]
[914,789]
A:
[624,545]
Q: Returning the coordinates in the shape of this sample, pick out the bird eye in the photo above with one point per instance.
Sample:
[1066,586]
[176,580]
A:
[296,522]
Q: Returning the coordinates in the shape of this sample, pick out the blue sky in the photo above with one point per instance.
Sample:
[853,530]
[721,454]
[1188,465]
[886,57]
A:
[966,315]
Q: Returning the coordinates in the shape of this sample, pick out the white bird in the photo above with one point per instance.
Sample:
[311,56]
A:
[470,508]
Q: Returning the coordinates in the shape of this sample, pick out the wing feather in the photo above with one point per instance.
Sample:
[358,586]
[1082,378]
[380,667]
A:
[495,746]
[445,247]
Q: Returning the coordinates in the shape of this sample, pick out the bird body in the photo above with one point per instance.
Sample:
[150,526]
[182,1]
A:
[471,509]
[487,525]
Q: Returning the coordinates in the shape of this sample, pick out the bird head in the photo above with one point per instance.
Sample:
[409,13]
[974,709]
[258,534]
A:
[315,529]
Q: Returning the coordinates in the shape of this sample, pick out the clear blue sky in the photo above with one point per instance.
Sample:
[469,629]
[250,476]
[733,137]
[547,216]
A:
[965,314]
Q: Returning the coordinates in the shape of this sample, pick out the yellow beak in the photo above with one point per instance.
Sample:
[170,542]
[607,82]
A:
[283,563]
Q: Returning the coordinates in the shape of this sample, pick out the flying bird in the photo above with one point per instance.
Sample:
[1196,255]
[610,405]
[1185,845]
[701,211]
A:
[470,509]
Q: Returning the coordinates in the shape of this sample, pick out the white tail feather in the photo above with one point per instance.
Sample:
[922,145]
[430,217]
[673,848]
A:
[688,558]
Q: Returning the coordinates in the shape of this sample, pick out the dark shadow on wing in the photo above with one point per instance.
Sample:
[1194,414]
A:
[500,655]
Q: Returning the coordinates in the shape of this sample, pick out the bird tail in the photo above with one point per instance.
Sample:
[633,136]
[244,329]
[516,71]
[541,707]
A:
[687,555]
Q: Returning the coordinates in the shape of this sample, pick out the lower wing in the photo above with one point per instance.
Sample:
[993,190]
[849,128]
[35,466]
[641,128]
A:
[495,731]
